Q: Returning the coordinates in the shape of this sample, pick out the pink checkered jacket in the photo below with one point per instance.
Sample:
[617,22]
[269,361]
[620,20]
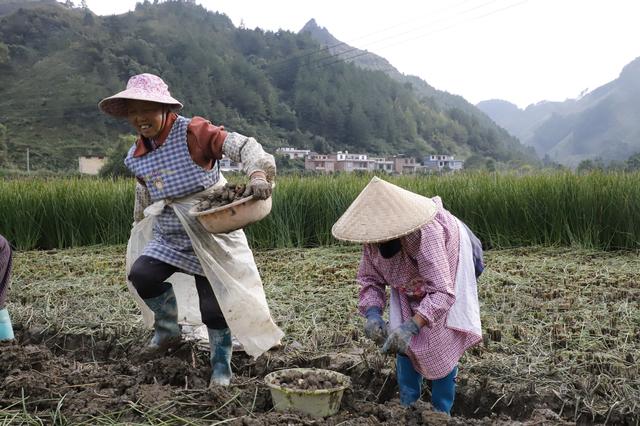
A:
[424,274]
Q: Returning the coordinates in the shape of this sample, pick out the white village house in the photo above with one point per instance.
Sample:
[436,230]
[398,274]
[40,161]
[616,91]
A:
[442,162]
[293,153]
[227,165]
[91,165]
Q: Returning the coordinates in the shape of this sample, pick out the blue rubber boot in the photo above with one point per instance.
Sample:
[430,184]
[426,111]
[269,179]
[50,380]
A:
[409,381]
[220,344]
[443,392]
[165,324]
[6,330]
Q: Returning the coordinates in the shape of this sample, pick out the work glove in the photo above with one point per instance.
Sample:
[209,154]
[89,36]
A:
[398,340]
[259,187]
[375,328]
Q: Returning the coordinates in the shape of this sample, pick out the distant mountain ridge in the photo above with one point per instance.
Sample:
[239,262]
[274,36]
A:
[373,62]
[10,6]
[602,124]
[58,61]
[342,51]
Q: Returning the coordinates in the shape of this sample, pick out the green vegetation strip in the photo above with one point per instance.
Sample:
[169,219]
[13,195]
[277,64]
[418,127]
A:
[558,323]
[596,210]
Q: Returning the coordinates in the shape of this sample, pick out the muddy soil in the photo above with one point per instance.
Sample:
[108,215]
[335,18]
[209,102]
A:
[227,194]
[85,379]
[307,380]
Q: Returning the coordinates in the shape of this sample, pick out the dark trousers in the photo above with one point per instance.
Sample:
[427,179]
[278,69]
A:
[5,270]
[148,276]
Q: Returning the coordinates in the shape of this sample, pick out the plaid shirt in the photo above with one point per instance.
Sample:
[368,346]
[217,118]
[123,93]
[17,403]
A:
[170,172]
[424,273]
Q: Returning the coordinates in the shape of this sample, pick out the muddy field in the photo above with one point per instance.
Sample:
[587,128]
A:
[562,342]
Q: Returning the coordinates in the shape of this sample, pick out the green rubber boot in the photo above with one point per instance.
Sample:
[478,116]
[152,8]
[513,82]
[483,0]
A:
[220,344]
[167,330]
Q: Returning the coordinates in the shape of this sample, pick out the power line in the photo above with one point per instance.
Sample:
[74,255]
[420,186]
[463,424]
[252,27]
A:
[48,112]
[332,58]
[427,34]
[351,49]
[421,28]
[377,33]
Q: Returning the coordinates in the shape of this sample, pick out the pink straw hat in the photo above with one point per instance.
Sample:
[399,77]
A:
[141,87]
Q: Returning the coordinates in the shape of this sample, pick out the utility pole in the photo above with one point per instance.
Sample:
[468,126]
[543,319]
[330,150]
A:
[28,169]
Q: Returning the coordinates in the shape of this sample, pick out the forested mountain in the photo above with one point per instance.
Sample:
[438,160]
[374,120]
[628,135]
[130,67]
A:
[10,6]
[455,105]
[602,124]
[57,62]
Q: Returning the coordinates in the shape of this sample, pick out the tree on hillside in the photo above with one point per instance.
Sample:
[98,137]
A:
[88,19]
[4,156]
[475,162]
[287,165]
[114,166]
[617,165]
[274,84]
[4,53]
[356,127]
[633,163]
[590,166]
[548,163]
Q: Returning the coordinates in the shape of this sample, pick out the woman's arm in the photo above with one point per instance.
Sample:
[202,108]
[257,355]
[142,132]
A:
[212,142]
[255,161]
[372,286]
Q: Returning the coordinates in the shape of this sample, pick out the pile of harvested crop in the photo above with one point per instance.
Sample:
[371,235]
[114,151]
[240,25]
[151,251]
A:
[222,196]
[308,380]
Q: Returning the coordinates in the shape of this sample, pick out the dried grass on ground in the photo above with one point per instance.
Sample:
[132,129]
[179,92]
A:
[562,333]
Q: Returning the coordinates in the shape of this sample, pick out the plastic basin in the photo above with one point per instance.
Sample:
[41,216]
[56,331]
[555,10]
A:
[232,216]
[316,403]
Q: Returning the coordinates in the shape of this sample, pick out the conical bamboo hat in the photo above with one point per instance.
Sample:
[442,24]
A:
[382,212]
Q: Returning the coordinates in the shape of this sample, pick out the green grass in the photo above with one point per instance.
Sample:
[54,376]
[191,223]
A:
[56,213]
[559,209]
[559,323]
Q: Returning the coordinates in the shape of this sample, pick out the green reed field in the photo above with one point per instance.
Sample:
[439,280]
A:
[596,210]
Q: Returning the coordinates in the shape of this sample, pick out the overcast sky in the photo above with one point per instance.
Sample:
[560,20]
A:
[523,51]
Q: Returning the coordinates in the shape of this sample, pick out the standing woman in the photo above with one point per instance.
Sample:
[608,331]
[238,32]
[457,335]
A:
[175,160]
[426,256]
[6,330]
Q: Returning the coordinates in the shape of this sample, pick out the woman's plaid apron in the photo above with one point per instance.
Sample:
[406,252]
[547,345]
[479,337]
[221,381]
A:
[170,172]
